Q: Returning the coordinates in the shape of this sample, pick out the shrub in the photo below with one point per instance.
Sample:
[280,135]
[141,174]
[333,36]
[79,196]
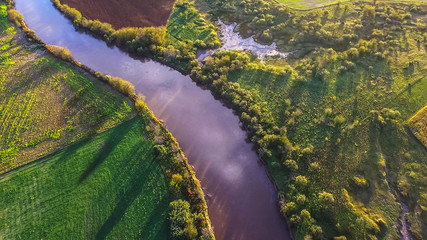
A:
[360,181]
[291,165]
[328,111]
[368,12]
[15,17]
[122,86]
[98,27]
[179,215]
[301,199]
[326,198]
[301,181]
[182,223]
[338,120]
[289,208]
[60,52]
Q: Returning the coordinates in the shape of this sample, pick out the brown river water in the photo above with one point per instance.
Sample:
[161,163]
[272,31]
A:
[242,201]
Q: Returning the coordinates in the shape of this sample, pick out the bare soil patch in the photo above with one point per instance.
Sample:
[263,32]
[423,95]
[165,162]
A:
[125,13]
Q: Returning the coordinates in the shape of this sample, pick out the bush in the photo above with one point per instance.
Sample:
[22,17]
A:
[338,120]
[289,208]
[301,199]
[122,86]
[326,198]
[15,17]
[291,165]
[181,221]
[301,181]
[360,181]
[60,52]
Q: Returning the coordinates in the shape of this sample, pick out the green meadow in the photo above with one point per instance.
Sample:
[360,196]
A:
[45,104]
[107,187]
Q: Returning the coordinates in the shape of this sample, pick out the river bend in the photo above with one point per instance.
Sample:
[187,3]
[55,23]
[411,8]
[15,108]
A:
[241,198]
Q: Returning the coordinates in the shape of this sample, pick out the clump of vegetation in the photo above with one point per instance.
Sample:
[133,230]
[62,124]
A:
[15,17]
[60,52]
[182,223]
[122,86]
[418,125]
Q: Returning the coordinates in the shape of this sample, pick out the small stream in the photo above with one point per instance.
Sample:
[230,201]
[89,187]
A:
[242,201]
[404,227]
[233,41]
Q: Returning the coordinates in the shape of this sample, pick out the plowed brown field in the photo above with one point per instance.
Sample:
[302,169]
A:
[125,13]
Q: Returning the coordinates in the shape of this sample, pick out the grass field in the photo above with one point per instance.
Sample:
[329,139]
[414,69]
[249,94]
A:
[107,187]
[307,4]
[187,24]
[46,104]
[418,125]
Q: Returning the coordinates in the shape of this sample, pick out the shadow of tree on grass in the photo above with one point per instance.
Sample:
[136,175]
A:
[138,181]
[108,147]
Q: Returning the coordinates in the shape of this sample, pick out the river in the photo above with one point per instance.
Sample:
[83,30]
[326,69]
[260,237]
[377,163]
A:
[242,201]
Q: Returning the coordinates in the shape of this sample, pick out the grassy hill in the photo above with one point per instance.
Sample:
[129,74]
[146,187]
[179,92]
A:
[45,104]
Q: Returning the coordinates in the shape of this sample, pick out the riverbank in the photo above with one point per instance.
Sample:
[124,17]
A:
[169,154]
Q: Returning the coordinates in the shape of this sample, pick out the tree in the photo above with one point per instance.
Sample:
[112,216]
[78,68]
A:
[301,181]
[326,199]
[181,221]
[291,165]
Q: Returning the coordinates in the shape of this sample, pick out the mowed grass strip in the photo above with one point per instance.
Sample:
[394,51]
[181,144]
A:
[108,187]
[418,125]
[45,103]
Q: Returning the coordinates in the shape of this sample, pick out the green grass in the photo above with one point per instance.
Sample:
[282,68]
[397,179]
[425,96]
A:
[4,24]
[46,104]
[307,4]
[187,24]
[107,187]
